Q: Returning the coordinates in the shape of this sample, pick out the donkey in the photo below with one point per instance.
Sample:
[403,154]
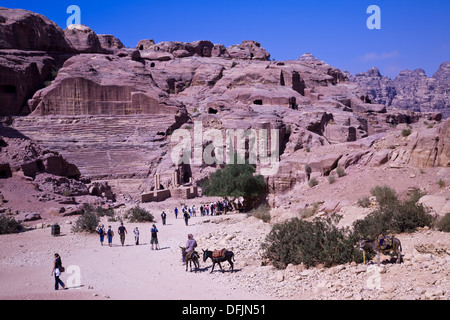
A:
[193,257]
[374,245]
[228,256]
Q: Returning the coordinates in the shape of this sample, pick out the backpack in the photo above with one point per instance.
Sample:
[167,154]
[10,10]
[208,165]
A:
[100,231]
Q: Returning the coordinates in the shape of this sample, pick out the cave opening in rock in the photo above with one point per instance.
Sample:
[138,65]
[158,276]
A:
[258,102]
[212,111]
[8,88]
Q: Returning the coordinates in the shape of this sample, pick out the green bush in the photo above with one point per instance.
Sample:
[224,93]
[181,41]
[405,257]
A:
[309,211]
[9,225]
[138,214]
[393,215]
[444,223]
[88,221]
[313,182]
[318,242]
[340,172]
[384,195]
[262,212]
[331,179]
[364,202]
[102,212]
[406,132]
[234,181]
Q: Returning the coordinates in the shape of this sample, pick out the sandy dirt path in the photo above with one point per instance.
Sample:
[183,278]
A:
[130,272]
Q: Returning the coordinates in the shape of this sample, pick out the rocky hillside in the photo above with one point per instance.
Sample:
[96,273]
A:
[111,110]
[410,90]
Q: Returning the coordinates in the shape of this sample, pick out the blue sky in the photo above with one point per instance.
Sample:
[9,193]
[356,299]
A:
[414,34]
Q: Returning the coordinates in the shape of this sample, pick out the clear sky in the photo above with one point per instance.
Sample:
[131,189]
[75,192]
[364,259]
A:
[414,33]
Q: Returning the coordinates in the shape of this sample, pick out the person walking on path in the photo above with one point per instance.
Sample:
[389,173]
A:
[136,235]
[154,238]
[176,212]
[110,234]
[101,232]
[57,269]
[122,231]
[163,217]
[186,217]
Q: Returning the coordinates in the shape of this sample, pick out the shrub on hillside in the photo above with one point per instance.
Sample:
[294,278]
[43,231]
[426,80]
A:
[314,242]
[262,212]
[313,182]
[364,202]
[102,212]
[444,223]
[9,225]
[406,132]
[88,221]
[393,215]
[340,172]
[138,214]
[309,211]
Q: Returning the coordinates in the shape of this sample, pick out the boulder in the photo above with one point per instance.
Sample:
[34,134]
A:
[26,30]
[425,148]
[248,50]
[145,44]
[156,55]
[83,39]
[28,216]
[443,145]
[21,74]
[108,41]
[5,171]
[438,204]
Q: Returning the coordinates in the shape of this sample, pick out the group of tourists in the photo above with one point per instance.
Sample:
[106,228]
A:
[122,231]
[58,268]
[212,208]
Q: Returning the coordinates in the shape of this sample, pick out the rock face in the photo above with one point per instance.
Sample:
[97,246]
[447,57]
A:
[31,48]
[26,156]
[380,89]
[410,90]
[25,30]
[22,73]
[89,84]
[108,41]
[415,91]
[83,39]
[248,50]
[111,111]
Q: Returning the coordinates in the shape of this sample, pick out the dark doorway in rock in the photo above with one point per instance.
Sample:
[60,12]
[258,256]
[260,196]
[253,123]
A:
[8,89]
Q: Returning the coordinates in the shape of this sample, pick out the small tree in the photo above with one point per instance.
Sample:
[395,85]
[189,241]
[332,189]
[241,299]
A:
[234,181]
[138,214]
[393,215]
[444,223]
[314,242]
[9,225]
[88,221]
